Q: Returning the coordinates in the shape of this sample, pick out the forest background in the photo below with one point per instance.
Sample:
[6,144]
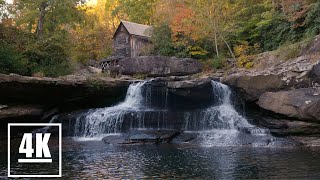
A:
[52,37]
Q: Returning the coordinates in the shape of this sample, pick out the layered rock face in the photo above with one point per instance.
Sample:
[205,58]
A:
[33,97]
[159,66]
[301,104]
[289,92]
[288,75]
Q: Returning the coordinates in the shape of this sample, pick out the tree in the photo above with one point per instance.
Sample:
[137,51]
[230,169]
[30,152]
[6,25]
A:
[48,16]
[141,11]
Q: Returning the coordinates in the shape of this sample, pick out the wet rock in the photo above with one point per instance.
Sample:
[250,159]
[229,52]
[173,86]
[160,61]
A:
[302,103]
[315,73]
[282,127]
[17,112]
[152,136]
[186,137]
[183,92]
[142,137]
[159,66]
[307,141]
[114,139]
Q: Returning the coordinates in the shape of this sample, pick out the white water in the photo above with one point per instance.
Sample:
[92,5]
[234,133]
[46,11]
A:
[219,125]
[109,120]
[225,121]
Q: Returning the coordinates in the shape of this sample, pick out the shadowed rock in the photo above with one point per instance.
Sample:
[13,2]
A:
[158,66]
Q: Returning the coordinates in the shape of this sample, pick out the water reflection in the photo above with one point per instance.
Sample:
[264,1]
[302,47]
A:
[94,160]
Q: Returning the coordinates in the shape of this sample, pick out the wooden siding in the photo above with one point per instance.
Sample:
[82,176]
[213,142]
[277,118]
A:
[127,45]
[137,44]
[121,42]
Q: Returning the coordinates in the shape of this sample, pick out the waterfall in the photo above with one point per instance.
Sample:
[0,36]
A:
[221,115]
[146,108]
[109,120]
[223,123]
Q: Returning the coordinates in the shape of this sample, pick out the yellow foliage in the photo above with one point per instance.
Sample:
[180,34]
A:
[197,51]
[244,52]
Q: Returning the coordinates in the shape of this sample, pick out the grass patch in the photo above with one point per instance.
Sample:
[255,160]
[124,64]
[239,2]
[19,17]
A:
[289,51]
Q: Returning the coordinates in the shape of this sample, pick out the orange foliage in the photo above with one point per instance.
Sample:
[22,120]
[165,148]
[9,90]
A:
[182,22]
[295,10]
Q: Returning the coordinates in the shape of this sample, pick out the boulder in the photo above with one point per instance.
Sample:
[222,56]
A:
[283,127]
[183,92]
[151,136]
[142,137]
[286,75]
[189,84]
[315,73]
[153,66]
[255,85]
[303,104]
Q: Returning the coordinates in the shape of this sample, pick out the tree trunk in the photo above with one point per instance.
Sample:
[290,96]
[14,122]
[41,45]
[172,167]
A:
[230,50]
[39,31]
[215,38]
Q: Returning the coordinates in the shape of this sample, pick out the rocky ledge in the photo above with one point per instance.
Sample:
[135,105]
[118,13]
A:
[33,96]
[286,93]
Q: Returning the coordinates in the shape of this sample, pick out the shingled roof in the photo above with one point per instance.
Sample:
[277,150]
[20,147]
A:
[137,29]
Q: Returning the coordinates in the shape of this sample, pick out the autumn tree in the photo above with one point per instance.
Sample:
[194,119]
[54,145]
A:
[46,16]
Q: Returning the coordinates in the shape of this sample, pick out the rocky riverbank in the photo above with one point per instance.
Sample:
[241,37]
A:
[286,94]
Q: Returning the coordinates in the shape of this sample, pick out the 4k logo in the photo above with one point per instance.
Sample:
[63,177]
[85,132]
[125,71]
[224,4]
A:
[34,152]
[41,148]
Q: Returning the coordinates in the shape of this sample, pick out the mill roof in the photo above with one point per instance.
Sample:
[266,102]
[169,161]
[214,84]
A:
[136,29]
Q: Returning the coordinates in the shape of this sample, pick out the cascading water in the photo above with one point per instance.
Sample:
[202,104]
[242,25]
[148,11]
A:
[221,115]
[109,120]
[220,124]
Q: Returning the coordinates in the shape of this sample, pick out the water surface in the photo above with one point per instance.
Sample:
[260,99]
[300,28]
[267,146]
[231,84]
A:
[94,159]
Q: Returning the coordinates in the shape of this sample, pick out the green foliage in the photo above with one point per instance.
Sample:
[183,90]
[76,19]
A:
[11,61]
[57,14]
[289,51]
[218,63]
[21,53]
[141,11]
[48,56]
[139,76]
[162,41]
[215,63]
[312,21]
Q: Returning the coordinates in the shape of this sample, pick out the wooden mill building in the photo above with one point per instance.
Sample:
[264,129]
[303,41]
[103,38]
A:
[130,38]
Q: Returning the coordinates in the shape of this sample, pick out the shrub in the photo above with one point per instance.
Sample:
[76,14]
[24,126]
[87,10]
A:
[11,61]
[49,57]
[245,54]
[216,63]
